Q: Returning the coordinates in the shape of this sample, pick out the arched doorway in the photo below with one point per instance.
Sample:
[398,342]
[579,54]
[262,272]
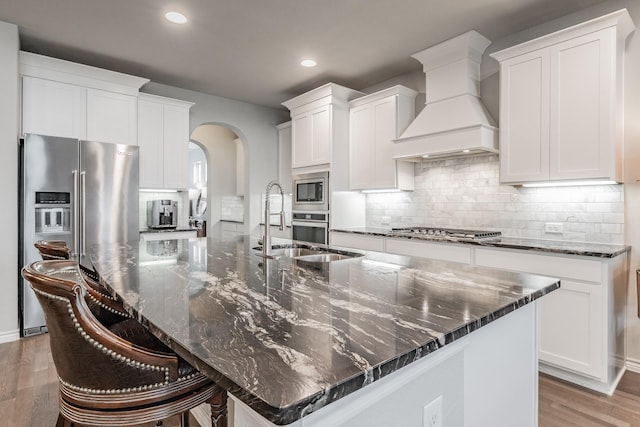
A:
[198,184]
[225,173]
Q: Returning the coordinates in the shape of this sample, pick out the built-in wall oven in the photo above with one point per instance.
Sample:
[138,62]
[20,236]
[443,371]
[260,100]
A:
[310,207]
[311,227]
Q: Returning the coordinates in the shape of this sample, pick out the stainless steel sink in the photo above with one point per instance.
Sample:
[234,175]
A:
[324,257]
[310,254]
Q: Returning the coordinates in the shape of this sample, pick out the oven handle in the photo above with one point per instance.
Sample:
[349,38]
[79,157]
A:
[316,224]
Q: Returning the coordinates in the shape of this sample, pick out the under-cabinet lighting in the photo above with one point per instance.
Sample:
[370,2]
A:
[388,190]
[176,17]
[568,183]
[157,190]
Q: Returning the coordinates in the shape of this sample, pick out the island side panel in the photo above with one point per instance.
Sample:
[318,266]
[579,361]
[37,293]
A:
[501,372]
[489,377]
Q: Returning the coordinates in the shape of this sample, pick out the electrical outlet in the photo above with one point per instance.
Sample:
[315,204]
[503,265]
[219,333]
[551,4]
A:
[385,220]
[553,227]
[433,413]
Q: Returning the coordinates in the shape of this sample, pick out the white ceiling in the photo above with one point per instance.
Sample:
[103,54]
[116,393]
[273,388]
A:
[250,49]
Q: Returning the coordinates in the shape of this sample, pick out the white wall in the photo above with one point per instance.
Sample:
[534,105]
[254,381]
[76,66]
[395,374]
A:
[221,159]
[255,125]
[9,46]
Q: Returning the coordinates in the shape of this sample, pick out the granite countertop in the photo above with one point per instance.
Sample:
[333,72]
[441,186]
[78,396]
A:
[287,338]
[600,250]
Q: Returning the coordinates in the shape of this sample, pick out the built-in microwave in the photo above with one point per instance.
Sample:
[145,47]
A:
[311,192]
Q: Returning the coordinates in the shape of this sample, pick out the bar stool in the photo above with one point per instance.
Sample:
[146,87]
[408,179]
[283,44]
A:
[107,309]
[105,379]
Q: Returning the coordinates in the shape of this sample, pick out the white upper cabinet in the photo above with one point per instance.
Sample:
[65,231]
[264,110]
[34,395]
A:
[163,137]
[561,104]
[375,121]
[319,122]
[61,98]
[112,117]
[53,108]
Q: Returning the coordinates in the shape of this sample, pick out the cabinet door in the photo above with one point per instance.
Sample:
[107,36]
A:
[284,158]
[571,328]
[524,118]
[385,119]
[53,108]
[112,117]
[301,140]
[361,147]
[176,147]
[321,135]
[151,143]
[582,105]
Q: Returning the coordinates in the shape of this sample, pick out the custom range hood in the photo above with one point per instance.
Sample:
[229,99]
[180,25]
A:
[453,121]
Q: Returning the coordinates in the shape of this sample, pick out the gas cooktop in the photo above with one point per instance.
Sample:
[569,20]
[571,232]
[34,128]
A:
[446,234]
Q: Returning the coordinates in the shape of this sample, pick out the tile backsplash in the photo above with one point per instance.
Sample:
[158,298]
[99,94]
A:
[465,192]
[232,208]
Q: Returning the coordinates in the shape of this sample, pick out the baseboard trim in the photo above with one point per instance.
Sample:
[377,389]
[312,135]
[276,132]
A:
[632,364]
[9,336]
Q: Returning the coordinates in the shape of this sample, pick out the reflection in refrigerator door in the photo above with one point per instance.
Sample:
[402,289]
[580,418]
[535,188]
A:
[81,192]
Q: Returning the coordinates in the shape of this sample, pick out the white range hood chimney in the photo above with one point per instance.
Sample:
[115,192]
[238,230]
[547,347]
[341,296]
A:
[453,121]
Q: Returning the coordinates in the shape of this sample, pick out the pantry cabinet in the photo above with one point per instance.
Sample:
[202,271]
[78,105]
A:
[375,121]
[163,137]
[561,111]
[61,98]
[284,156]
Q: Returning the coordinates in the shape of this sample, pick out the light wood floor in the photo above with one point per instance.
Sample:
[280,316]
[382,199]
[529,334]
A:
[29,385]
[29,393]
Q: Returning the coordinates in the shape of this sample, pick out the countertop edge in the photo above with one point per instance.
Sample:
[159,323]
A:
[593,252]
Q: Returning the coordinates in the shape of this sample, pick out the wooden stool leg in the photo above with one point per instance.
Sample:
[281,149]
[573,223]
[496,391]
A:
[63,422]
[184,419]
[218,403]
[159,423]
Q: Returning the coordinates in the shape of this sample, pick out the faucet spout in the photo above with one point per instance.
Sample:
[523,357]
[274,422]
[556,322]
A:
[266,237]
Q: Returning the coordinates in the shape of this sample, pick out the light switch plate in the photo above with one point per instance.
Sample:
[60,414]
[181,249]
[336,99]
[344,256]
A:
[385,220]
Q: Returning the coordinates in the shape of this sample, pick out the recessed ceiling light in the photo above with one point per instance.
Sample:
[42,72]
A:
[176,17]
[308,63]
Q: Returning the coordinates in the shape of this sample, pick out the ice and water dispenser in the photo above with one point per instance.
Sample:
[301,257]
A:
[53,212]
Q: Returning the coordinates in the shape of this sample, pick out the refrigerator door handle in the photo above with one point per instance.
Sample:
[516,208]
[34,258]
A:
[74,248]
[83,196]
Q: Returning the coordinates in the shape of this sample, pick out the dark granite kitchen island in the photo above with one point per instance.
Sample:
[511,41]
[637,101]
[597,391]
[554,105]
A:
[288,339]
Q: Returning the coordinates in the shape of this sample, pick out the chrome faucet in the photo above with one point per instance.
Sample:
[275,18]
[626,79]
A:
[266,238]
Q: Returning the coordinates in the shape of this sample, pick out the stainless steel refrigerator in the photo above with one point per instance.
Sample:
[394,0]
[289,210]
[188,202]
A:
[82,192]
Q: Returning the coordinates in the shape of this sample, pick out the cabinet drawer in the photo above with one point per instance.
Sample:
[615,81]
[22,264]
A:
[556,266]
[441,251]
[349,240]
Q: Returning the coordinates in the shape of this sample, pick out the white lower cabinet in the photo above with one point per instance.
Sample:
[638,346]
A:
[571,327]
[444,252]
[580,325]
[357,241]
